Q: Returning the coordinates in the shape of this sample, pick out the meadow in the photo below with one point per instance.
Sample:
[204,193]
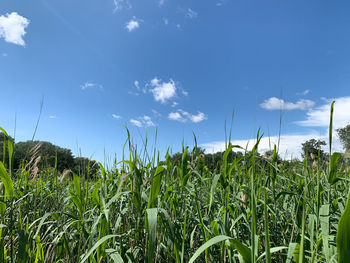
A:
[248,209]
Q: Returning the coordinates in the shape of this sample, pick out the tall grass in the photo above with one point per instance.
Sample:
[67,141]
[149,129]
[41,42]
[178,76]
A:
[250,209]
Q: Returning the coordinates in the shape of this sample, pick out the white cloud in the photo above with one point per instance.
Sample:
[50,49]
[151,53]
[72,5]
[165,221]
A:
[163,91]
[178,26]
[121,4]
[161,2]
[191,14]
[91,85]
[143,121]
[52,117]
[184,116]
[290,145]
[176,116]
[197,118]
[319,117]
[136,123]
[305,92]
[166,21]
[156,113]
[12,28]
[137,84]
[132,25]
[274,103]
[147,121]
[117,117]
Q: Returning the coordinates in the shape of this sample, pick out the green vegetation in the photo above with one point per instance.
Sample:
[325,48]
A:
[41,155]
[226,207]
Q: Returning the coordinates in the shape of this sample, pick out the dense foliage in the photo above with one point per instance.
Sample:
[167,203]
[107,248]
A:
[248,208]
[43,155]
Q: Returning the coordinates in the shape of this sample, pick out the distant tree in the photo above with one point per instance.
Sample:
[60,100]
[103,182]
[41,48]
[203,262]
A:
[312,148]
[85,167]
[344,136]
[26,151]
[3,140]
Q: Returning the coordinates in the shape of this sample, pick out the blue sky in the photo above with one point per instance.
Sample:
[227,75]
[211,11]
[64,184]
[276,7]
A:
[180,67]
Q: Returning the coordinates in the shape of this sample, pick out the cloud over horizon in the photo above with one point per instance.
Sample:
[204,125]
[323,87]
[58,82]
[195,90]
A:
[320,116]
[290,144]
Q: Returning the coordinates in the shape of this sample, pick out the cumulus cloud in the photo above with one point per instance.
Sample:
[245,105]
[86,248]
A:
[91,85]
[132,25]
[274,103]
[121,4]
[319,117]
[176,116]
[116,116]
[136,123]
[191,13]
[12,28]
[183,116]
[290,145]
[305,92]
[162,91]
[144,121]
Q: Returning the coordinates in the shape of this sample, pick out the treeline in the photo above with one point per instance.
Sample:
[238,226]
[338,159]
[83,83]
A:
[311,152]
[41,155]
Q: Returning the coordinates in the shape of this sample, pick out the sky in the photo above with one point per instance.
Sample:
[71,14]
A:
[169,69]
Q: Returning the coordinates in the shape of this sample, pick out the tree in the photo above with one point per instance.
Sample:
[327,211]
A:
[25,151]
[312,150]
[344,136]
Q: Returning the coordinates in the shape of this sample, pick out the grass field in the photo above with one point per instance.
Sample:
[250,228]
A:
[249,209]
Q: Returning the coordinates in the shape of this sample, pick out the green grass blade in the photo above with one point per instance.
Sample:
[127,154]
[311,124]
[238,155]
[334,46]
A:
[152,215]
[206,245]
[343,234]
[7,181]
[94,248]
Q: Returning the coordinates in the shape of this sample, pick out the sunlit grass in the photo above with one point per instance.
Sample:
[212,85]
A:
[249,209]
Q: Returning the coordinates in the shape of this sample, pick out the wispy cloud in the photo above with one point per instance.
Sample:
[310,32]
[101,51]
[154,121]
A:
[166,21]
[12,28]
[132,25]
[161,2]
[91,85]
[136,123]
[162,91]
[4,54]
[52,117]
[184,116]
[144,121]
[274,103]
[221,2]
[121,4]
[319,117]
[303,93]
[191,13]
[116,116]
